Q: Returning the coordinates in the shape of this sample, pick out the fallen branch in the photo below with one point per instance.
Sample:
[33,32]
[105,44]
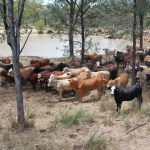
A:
[139,126]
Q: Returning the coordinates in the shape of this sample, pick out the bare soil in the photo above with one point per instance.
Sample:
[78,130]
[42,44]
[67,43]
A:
[44,107]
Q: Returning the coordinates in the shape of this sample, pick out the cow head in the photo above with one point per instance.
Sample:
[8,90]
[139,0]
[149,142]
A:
[113,89]
[110,83]
[52,77]
[39,76]
[11,72]
[66,69]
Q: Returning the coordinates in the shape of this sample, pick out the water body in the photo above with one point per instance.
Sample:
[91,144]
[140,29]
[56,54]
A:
[46,45]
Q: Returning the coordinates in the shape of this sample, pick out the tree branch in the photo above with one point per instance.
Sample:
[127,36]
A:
[139,126]
[21,4]
[26,40]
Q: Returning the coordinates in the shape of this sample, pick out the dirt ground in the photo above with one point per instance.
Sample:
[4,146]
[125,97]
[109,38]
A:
[43,108]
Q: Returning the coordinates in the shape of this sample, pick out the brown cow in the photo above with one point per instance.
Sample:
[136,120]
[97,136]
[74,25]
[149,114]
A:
[130,49]
[39,63]
[93,58]
[84,86]
[84,75]
[120,82]
[6,61]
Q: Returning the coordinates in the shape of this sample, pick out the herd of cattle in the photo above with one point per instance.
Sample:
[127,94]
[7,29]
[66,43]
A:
[72,76]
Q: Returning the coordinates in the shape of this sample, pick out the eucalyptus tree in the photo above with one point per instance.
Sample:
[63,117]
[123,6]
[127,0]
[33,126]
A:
[134,39]
[84,6]
[12,24]
[68,14]
[142,8]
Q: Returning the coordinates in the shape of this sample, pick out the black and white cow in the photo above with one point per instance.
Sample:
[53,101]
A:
[127,94]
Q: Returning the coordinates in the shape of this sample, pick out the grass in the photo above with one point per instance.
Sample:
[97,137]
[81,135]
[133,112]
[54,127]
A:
[105,105]
[107,121]
[95,143]
[27,123]
[8,141]
[145,112]
[68,120]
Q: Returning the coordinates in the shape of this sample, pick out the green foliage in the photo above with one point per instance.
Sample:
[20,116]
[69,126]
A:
[95,143]
[40,26]
[68,120]
[58,26]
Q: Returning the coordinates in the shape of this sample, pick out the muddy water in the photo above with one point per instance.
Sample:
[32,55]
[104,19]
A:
[45,45]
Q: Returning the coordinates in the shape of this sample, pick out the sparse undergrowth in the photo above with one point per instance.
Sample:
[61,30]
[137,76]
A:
[68,120]
[27,123]
[95,143]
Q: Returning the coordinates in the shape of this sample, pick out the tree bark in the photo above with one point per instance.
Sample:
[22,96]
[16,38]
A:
[71,30]
[82,32]
[13,33]
[141,18]
[18,86]
[134,43]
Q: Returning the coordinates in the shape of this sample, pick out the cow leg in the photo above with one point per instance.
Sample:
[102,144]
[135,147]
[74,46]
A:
[100,91]
[140,101]
[60,95]
[80,96]
[119,107]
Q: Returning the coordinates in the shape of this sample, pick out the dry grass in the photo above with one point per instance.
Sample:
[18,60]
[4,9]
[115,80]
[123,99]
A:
[67,120]
[27,123]
[107,121]
[106,105]
[95,143]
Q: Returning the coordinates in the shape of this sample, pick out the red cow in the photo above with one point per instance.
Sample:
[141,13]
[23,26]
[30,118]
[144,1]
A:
[6,61]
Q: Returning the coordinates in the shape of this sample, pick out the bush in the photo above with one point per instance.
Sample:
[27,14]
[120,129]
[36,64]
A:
[40,26]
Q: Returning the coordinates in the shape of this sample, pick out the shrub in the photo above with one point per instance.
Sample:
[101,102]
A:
[39,26]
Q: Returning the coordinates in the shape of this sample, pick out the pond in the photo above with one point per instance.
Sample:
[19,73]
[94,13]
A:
[46,45]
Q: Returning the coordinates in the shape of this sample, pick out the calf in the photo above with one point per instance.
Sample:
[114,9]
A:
[93,58]
[113,72]
[60,85]
[76,71]
[120,82]
[104,74]
[6,61]
[45,75]
[127,94]
[39,63]
[84,86]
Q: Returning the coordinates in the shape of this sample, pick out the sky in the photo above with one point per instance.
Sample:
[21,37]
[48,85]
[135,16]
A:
[48,1]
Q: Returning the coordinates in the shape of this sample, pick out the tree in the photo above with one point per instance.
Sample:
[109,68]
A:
[142,7]
[12,23]
[68,7]
[134,40]
[84,6]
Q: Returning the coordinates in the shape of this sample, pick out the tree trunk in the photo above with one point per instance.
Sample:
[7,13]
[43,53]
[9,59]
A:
[18,85]
[82,33]
[141,18]
[134,43]
[71,30]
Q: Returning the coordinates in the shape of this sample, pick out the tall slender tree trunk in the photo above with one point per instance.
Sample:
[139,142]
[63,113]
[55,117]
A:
[82,33]
[71,30]
[134,43]
[18,86]
[14,37]
[141,18]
